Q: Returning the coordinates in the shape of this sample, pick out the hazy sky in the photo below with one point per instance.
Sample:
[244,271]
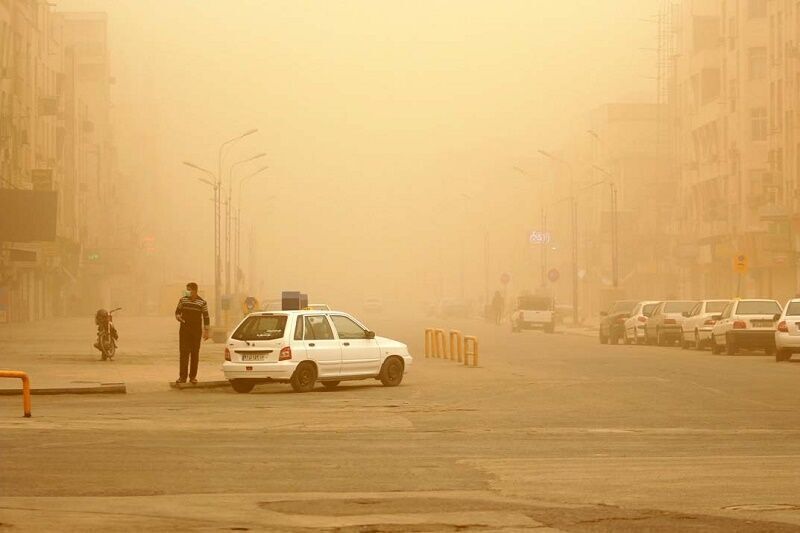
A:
[367,109]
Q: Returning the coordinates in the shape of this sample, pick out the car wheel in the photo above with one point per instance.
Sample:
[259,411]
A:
[730,346]
[392,372]
[550,328]
[603,339]
[715,348]
[330,385]
[242,386]
[684,342]
[304,378]
[697,344]
[782,355]
[769,351]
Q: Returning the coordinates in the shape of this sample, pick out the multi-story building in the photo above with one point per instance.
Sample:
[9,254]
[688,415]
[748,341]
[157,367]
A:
[722,129]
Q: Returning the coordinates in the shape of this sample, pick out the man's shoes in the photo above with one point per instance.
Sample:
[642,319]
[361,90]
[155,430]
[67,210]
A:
[97,345]
[179,381]
[193,381]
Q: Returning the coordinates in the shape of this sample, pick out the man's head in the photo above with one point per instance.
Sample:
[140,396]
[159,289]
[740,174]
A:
[192,288]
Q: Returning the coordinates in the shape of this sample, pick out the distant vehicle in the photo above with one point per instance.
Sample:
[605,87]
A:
[318,307]
[373,304]
[534,312]
[746,324]
[787,335]
[635,324]
[453,308]
[697,323]
[107,335]
[305,347]
[664,324]
[612,324]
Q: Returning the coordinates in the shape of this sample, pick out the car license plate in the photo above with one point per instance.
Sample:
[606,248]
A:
[252,357]
[763,323]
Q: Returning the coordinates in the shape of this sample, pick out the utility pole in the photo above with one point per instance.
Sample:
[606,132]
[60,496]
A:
[614,223]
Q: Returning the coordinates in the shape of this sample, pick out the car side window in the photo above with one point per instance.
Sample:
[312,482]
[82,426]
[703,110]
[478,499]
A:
[657,310]
[637,310]
[347,328]
[727,312]
[298,329]
[317,328]
[695,310]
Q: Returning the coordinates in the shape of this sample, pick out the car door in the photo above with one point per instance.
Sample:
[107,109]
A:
[654,321]
[723,325]
[360,354]
[630,322]
[690,321]
[321,345]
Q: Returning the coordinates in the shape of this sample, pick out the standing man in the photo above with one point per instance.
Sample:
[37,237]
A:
[192,313]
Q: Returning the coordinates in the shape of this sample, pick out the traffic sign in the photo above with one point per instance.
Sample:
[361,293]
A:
[540,237]
[741,264]
[505,278]
[553,275]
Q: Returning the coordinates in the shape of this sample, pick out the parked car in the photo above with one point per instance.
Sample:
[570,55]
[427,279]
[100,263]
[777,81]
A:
[534,312]
[664,325]
[635,324]
[746,324]
[612,323]
[305,347]
[697,323]
[787,335]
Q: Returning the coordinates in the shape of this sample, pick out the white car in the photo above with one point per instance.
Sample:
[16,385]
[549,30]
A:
[635,324]
[697,324]
[787,335]
[304,347]
[534,312]
[745,324]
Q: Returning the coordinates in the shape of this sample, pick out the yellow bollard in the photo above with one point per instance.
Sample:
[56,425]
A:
[474,352]
[456,345]
[440,344]
[429,341]
[26,388]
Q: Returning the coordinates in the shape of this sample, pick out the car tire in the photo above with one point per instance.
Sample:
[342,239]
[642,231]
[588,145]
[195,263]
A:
[715,348]
[782,355]
[613,339]
[684,343]
[769,351]
[603,339]
[550,328]
[697,344]
[392,372]
[242,386]
[730,346]
[304,377]
[330,385]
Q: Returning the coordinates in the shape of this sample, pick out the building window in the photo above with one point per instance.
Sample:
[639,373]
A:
[757,62]
[757,8]
[758,124]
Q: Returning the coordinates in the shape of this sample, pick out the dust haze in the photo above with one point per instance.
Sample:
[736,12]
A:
[391,131]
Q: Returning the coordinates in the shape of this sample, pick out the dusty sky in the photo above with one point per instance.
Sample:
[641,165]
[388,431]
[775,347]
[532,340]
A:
[368,111]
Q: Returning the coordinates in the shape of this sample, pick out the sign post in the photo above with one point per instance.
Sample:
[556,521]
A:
[741,265]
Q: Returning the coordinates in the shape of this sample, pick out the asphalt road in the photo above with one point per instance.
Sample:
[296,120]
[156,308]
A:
[551,431]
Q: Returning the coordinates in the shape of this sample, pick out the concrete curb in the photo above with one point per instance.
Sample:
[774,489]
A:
[104,388]
[201,385]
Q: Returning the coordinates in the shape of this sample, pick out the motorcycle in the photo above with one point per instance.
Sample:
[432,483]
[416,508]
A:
[106,333]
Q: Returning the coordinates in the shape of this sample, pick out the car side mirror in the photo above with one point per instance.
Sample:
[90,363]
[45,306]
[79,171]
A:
[603,313]
[776,317]
[369,335]
[685,314]
[716,317]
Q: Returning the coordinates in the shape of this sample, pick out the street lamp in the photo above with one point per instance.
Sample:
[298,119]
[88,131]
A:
[218,220]
[614,223]
[543,251]
[574,221]
[214,183]
[242,181]
[228,222]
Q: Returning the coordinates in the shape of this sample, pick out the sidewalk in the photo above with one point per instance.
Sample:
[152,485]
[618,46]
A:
[58,353]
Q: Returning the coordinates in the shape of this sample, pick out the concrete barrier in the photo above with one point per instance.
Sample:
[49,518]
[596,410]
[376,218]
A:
[26,388]
[456,345]
[429,340]
[470,342]
[439,344]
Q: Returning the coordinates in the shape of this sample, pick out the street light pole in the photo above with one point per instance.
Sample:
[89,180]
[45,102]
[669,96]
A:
[543,250]
[614,225]
[239,218]
[218,239]
[228,221]
[574,223]
[215,184]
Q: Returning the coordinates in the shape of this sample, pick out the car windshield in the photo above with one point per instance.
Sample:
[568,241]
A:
[623,307]
[716,307]
[261,328]
[793,309]
[678,307]
[647,309]
[535,303]
[758,307]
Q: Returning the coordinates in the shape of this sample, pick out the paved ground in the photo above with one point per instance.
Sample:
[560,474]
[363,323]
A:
[552,431]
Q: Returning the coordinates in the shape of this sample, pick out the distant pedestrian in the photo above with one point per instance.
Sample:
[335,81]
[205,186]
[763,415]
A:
[192,313]
[497,307]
